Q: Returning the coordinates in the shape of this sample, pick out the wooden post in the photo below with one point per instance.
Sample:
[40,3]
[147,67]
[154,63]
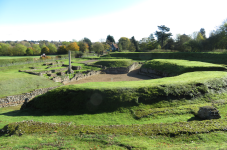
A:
[69,70]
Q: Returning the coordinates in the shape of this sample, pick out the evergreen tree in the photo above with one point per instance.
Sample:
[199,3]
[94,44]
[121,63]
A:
[135,43]
[162,35]
[110,39]
[202,31]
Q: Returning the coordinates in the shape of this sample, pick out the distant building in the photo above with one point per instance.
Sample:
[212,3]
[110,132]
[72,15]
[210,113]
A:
[114,47]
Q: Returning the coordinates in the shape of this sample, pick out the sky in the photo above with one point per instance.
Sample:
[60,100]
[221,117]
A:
[95,19]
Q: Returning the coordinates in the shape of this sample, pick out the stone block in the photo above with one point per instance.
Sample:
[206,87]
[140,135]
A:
[208,112]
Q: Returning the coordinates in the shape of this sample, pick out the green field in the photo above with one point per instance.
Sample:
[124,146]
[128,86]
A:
[149,114]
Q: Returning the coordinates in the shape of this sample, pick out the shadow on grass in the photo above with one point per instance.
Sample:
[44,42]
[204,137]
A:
[134,73]
[194,119]
[32,112]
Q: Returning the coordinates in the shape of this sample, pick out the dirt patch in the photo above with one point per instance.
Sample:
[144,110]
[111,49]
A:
[132,76]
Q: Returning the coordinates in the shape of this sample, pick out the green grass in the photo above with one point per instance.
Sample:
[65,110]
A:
[116,130]
[151,114]
[185,78]
[114,62]
[116,142]
[176,67]
[15,57]
[13,82]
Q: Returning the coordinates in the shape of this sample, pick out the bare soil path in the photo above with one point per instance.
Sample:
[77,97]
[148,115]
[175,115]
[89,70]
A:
[131,76]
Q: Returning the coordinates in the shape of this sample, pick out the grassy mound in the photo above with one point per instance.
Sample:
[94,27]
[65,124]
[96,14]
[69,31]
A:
[176,66]
[109,96]
[115,62]
[212,57]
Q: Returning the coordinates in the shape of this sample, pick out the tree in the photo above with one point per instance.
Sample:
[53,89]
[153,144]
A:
[151,45]
[120,47]
[19,50]
[162,35]
[65,43]
[135,43]
[88,41]
[98,47]
[45,50]
[5,49]
[132,47]
[125,43]
[180,42]
[73,47]
[62,50]
[83,46]
[199,37]
[202,31]
[29,51]
[42,45]
[52,48]
[36,49]
[106,46]
[151,37]
[110,39]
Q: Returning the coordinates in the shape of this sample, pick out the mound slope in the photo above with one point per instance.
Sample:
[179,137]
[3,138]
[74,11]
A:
[109,96]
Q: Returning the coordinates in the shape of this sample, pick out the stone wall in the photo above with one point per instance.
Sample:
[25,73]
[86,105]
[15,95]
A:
[77,76]
[121,70]
[19,99]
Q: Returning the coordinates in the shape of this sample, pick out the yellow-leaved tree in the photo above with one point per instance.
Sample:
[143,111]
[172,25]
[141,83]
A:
[73,47]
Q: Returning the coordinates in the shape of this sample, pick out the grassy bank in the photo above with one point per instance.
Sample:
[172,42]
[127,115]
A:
[176,67]
[114,62]
[109,96]
[212,57]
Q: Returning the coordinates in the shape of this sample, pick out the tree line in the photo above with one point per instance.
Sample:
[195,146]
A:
[196,42]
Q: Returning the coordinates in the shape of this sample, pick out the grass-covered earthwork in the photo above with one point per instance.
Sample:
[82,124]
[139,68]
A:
[176,67]
[114,62]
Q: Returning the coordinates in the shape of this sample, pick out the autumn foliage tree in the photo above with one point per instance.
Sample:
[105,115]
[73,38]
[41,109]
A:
[62,50]
[45,50]
[83,46]
[73,47]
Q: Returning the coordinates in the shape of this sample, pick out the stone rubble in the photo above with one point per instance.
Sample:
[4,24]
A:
[19,99]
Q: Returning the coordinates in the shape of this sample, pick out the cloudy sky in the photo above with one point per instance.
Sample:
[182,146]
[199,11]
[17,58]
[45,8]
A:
[95,19]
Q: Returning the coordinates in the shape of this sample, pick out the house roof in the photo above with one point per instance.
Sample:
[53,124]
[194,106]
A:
[115,45]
